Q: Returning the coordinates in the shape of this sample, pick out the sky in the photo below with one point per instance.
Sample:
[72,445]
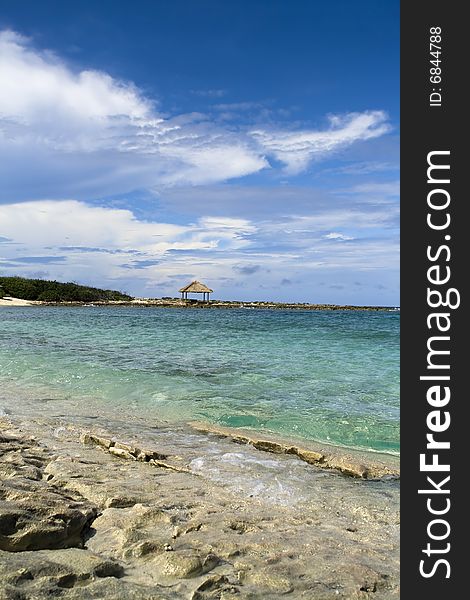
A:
[250,144]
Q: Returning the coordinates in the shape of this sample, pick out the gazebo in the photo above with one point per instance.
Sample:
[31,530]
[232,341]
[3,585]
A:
[196,287]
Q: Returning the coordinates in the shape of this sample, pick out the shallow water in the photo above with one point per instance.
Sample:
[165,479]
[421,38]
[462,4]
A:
[320,375]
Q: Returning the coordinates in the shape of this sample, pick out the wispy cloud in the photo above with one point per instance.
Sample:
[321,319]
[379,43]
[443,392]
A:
[236,106]
[334,235]
[69,236]
[210,93]
[361,168]
[81,136]
[386,189]
[297,149]
[92,134]
[110,239]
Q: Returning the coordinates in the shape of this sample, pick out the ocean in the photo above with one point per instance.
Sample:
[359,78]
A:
[327,376]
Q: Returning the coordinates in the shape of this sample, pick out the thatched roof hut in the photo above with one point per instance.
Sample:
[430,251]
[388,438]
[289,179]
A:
[196,287]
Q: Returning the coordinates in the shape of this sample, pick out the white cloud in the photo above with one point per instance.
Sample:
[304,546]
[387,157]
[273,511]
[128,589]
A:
[38,87]
[48,110]
[387,189]
[87,133]
[110,247]
[334,235]
[297,149]
[78,241]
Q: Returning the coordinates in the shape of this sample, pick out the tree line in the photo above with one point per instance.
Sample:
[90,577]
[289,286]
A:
[55,291]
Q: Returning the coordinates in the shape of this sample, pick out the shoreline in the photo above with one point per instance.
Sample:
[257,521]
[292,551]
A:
[353,462]
[215,304]
[164,511]
[361,462]
[9,301]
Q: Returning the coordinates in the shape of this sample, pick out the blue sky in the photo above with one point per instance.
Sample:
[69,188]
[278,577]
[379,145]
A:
[251,145]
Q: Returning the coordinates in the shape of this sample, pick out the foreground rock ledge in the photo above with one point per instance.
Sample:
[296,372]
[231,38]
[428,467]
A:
[348,462]
[108,519]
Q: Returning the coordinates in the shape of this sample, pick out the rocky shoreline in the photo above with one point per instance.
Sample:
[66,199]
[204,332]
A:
[348,462]
[87,514]
[190,303]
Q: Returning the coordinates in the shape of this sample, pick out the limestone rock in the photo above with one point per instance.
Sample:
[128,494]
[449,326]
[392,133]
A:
[121,449]
[184,564]
[348,467]
[36,516]
[90,438]
[122,453]
[33,514]
[160,532]
[74,574]
[216,587]
[268,446]
[268,580]
[100,482]
[131,532]
[309,456]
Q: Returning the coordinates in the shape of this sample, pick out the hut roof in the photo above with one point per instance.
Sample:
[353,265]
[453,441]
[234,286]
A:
[196,287]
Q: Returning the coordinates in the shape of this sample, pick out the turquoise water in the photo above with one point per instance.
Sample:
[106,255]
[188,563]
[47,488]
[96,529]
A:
[329,376]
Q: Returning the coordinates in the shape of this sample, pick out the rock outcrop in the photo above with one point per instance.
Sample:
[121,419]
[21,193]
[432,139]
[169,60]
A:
[351,465]
[84,516]
[33,514]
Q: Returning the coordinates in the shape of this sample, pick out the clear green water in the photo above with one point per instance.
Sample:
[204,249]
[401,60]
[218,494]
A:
[318,375]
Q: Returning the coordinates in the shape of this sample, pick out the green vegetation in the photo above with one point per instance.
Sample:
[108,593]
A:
[54,291]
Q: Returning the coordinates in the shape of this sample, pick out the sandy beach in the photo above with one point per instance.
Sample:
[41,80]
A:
[96,509]
[9,301]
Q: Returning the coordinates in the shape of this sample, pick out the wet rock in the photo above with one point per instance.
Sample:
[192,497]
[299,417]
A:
[183,530]
[161,530]
[21,457]
[127,447]
[19,468]
[33,514]
[121,453]
[348,467]
[365,580]
[146,455]
[242,526]
[268,446]
[63,568]
[169,466]
[329,459]
[90,438]
[122,449]
[308,456]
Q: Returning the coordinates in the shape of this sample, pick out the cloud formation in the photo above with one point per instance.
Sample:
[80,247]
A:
[94,135]
[70,137]
[334,235]
[130,253]
[296,149]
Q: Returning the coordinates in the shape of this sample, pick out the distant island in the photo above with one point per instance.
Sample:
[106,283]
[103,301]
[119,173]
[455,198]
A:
[41,291]
[53,291]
